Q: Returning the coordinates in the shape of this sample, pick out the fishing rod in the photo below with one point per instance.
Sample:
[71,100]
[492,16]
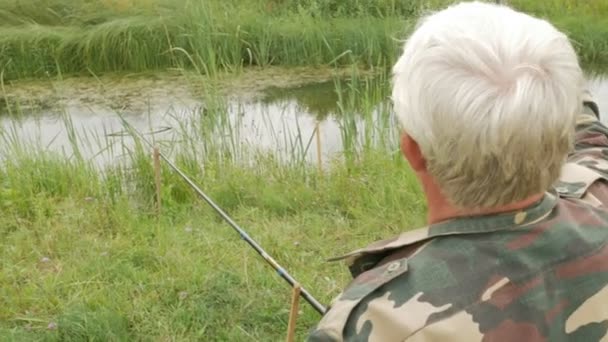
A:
[280,270]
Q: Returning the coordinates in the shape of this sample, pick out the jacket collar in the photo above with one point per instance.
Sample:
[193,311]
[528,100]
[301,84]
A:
[366,258]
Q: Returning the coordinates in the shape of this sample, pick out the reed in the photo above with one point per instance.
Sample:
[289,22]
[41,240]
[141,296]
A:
[38,39]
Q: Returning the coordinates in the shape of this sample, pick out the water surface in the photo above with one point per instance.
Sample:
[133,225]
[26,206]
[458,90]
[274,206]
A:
[271,110]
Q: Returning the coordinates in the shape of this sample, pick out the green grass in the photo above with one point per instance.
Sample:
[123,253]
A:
[41,38]
[114,273]
[84,251]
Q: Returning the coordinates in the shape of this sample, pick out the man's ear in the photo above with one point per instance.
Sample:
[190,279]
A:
[411,151]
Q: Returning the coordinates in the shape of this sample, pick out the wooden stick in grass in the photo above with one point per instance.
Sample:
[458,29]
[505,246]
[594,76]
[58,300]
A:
[293,314]
[319,157]
[156,155]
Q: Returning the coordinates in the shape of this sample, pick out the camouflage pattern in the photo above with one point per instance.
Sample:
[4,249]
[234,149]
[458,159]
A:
[539,274]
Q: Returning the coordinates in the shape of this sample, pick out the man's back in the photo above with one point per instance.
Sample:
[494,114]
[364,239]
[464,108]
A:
[538,274]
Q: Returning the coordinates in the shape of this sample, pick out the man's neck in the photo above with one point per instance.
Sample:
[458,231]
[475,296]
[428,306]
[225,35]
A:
[439,209]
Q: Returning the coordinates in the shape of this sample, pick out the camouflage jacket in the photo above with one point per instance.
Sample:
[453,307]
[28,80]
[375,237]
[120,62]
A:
[539,274]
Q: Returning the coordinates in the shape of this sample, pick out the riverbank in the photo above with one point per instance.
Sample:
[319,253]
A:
[84,256]
[57,37]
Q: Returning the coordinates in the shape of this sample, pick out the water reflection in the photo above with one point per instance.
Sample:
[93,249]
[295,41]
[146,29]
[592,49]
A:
[288,124]
[317,99]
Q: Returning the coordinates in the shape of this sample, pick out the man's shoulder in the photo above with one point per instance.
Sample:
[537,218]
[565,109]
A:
[396,284]
[400,286]
[372,268]
[587,164]
[459,281]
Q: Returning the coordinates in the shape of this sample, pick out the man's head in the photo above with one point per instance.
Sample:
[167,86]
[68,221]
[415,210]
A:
[487,97]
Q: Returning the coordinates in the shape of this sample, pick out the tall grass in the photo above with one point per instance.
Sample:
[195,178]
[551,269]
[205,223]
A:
[40,38]
[592,9]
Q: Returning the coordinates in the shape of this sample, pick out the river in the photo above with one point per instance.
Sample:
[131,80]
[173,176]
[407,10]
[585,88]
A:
[269,110]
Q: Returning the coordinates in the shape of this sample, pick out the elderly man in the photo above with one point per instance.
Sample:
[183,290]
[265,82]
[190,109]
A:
[513,163]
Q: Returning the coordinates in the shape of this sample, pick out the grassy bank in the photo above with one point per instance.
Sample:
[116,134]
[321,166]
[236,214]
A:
[84,257]
[80,252]
[41,38]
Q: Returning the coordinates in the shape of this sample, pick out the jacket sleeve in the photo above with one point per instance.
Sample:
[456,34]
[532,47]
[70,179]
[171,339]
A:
[585,175]
[591,133]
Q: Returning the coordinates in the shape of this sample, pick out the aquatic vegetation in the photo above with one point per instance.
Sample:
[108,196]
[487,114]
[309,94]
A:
[45,39]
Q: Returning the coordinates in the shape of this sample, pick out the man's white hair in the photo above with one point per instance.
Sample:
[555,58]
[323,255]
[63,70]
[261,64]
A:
[490,95]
